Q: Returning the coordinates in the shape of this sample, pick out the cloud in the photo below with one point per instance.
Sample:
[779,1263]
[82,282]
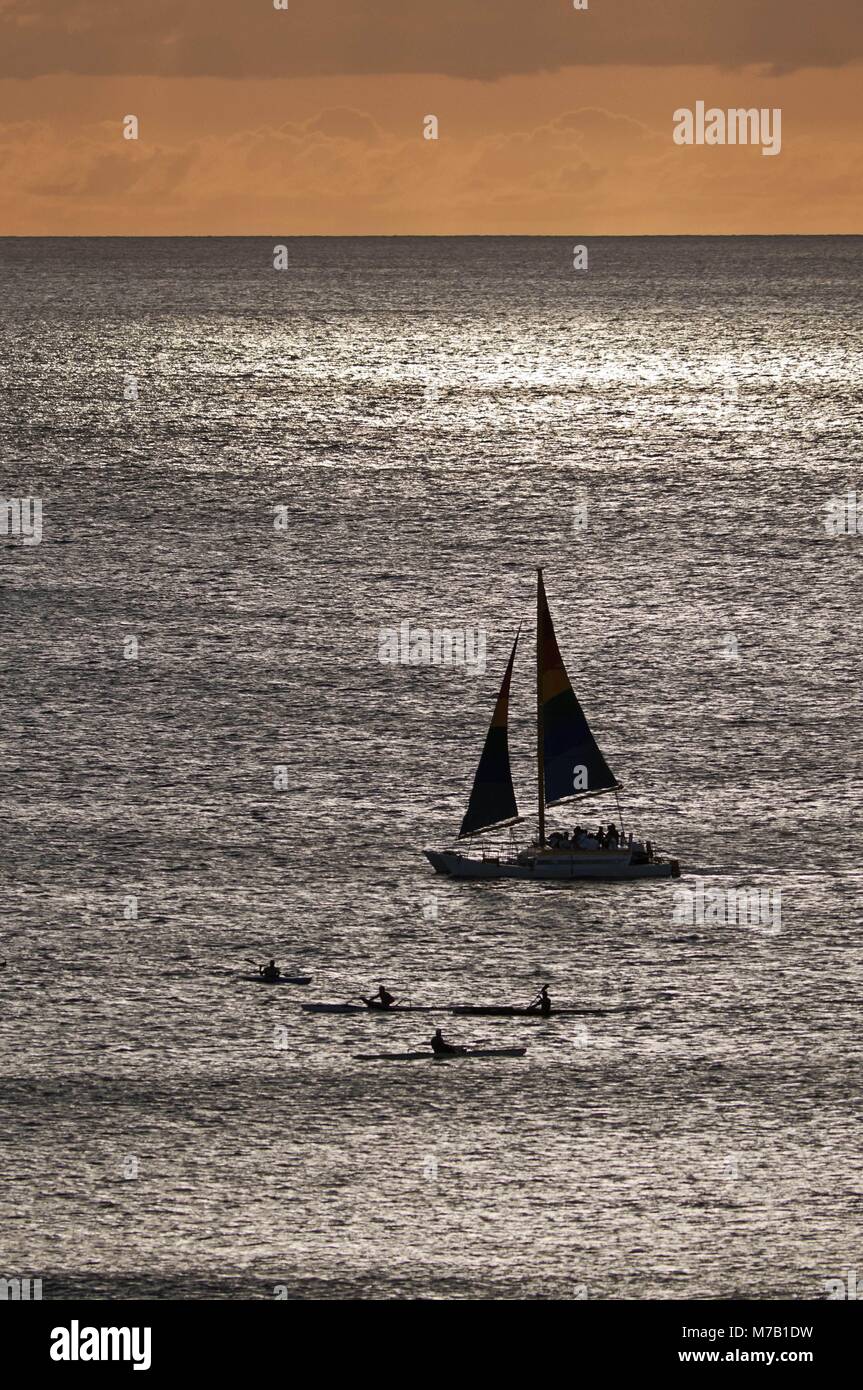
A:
[586,171]
[346,123]
[85,171]
[481,39]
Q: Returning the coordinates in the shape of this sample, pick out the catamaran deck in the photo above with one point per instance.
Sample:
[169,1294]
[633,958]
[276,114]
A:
[550,864]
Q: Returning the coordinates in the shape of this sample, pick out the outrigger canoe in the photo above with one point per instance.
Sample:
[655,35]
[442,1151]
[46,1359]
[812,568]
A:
[429,1056]
[282,979]
[486,1010]
[516,1011]
[372,1009]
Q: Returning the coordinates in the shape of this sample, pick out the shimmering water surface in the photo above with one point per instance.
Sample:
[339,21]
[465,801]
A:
[433,415]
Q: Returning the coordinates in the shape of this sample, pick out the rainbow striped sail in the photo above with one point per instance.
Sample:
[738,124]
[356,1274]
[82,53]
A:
[572,764]
[569,761]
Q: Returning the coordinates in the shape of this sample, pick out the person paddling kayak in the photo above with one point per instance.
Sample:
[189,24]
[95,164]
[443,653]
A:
[270,971]
[542,1003]
[439,1046]
[382,1000]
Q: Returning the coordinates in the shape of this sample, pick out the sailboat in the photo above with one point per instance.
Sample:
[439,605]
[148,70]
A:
[570,766]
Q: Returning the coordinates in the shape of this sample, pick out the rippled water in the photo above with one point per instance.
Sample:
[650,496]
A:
[434,416]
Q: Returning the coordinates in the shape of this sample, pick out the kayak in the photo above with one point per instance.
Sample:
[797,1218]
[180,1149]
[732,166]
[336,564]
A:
[515,1011]
[430,1056]
[364,1009]
[282,980]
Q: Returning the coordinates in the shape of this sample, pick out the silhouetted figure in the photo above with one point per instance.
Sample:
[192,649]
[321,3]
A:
[382,1000]
[542,1003]
[270,971]
[439,1046]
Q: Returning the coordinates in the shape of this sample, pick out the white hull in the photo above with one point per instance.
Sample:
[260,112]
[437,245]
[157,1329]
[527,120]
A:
[604,864]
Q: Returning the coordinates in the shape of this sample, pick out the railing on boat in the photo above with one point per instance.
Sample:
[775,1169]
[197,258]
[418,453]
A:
[495,848]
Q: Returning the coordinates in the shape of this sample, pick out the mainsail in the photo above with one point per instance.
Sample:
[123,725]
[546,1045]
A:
[570,757]
[492,800]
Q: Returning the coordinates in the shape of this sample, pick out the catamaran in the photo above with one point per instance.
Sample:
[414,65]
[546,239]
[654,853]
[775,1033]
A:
[570,766]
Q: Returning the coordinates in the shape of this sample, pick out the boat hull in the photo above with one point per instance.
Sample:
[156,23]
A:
[514,1011]
[363,1009]
[550,868]
[440,1056]
[282,980]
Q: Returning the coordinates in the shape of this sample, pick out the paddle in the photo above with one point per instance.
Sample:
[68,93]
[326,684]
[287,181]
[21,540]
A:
[374,1004]
[537,999]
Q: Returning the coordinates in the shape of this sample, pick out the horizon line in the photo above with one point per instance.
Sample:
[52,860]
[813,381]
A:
[416,236]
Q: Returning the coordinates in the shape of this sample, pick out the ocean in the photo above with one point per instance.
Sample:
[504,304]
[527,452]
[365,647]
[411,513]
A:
[245,476]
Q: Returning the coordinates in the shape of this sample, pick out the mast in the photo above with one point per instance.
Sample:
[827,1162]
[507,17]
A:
[540,758]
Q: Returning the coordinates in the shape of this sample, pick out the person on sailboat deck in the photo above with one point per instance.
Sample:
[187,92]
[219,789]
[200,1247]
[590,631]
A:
[608,839]
[382,1000]
[542,1003]
[438,1044]
[270,971]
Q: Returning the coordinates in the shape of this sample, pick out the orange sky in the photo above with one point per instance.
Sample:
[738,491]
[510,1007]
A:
[310,120]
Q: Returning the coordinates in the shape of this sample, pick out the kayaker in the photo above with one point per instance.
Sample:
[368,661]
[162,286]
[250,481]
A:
[438,1044]
[270,971]
[382,1000]
[542,1003]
